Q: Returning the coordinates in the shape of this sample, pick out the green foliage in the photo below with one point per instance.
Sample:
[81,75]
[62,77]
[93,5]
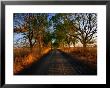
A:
[67,28]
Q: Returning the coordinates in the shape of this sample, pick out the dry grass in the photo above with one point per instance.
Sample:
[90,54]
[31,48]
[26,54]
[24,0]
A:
[88,55]
[21,52]
[24,58]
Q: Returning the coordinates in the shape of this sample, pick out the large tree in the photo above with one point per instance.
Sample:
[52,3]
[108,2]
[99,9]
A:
[24,26]
[65,30]
[86,24]
[32,27]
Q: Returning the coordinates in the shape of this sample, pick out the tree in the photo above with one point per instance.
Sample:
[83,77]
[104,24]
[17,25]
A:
[65,30]
[48,39]
[25,27]
[40,25]
[86,24]
[32,26]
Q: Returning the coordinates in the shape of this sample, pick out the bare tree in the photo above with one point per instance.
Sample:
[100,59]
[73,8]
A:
[86,24]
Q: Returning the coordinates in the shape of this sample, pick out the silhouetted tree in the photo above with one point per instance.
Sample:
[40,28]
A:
[86,24]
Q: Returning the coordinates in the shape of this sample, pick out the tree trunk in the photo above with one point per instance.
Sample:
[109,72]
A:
[74,45]
[84,48]
[84,45]
[39,47]
[31,45]
[51,45]
[63,47]
[69,47]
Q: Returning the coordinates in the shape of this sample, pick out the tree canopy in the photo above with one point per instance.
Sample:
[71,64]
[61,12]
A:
[55,29]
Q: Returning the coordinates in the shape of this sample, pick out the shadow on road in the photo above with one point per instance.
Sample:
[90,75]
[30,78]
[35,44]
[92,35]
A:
[56,62]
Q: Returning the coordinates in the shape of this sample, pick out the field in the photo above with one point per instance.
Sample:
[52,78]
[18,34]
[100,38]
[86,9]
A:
[87,55]
[23,57]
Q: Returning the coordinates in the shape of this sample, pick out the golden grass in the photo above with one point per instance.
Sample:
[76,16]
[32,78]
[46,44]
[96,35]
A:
[24,58]
[88,55]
